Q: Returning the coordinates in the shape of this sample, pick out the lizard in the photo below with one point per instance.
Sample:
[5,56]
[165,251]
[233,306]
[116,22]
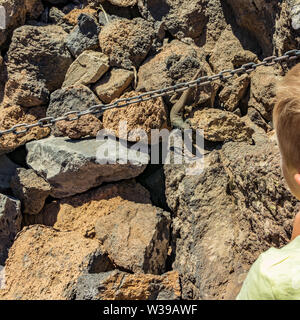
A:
[176,116]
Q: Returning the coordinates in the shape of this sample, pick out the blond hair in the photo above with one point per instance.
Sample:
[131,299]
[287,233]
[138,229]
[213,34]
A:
[286,118]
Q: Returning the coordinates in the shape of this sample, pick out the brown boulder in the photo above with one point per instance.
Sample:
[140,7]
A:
[88,68]
[136,237]
[219,125]
[113,84]
[177,62]
[126,42]
[25,90]
[80,213]
[256,118]
[145,115]
[226,216]
[33,52]
[16,115]
[258,17]
[87,125]
[45,264]
[233,92]
[262,90]
[229,52]
[31,189]
[215,12]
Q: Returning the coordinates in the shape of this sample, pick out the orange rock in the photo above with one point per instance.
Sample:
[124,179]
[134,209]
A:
[80,212]
[126,42]
[219,125]
[15,115]
[143,115]
[87,125]
[45,264]
[72,16]
[136,237]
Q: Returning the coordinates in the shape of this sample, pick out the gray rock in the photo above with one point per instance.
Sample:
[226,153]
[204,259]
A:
[84,36]
[31,189]
[118,285]
[33,52]
[56,17]
[7,171]
[226,216]
[10,224]
[77,98]
[113,84]
[295,17]
[136,237]
[88,68]
[258,18]
[73,167]
[105,19]
[256,117]
[182,19]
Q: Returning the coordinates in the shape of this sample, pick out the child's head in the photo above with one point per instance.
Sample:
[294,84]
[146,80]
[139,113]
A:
[286,118]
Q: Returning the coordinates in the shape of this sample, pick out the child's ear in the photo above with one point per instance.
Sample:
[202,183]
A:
[297,178]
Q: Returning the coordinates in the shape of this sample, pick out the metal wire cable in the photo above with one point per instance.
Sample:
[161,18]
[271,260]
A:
[121,103]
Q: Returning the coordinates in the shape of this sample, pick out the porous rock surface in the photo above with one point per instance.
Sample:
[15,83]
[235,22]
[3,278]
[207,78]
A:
[126,42]
[176,62]
[136,237]
[187,233]
[15,115]
[227,216]
[81,212]
[143,115]
[49,263]
[218,125]
[33,52]
[10,223]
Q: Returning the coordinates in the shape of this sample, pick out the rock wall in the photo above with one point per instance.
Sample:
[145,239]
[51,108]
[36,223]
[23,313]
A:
[73,226]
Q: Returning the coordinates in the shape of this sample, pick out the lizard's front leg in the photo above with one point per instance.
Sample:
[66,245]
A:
[176,115]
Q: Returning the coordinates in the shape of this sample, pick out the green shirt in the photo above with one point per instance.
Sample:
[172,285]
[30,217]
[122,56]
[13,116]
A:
[275,275]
